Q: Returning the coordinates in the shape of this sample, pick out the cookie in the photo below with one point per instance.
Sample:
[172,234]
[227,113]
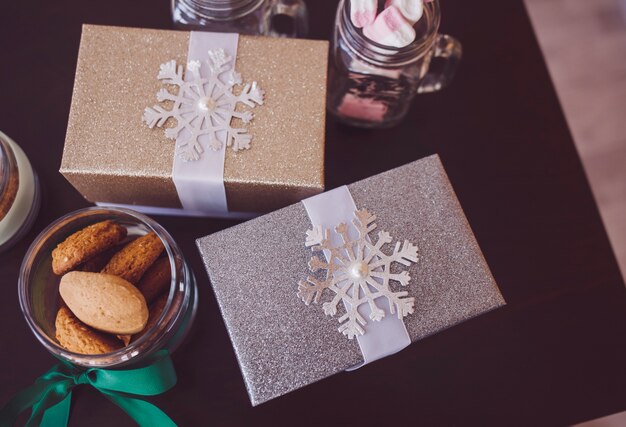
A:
[96,263]
[156,280]
[155,313]
[75,336]
[84,244]
[10,192]
[132,261]
[105,302]
[125,339]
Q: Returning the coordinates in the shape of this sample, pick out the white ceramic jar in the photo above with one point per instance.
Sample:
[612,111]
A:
[19,193]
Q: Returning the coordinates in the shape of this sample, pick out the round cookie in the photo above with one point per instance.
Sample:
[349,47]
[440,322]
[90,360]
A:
[75,336]
[132,261]
[85,244]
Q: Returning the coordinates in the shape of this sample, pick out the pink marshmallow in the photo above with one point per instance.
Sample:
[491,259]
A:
[390,29]
[363,12]
[411,9]
[362,108]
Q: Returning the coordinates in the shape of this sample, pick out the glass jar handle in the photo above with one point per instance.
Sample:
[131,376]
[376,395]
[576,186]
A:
[448,50]
[294,9]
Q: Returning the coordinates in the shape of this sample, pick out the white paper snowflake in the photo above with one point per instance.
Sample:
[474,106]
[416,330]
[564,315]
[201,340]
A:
[358,272]
[204,105]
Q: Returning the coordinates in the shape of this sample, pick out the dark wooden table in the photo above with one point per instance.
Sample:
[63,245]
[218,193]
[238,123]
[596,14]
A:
[554,356]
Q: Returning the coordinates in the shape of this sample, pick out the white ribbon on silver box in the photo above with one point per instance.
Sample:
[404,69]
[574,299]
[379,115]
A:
[200,183]
[381,338]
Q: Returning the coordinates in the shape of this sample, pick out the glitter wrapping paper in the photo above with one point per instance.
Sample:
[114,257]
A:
[254,268]
[110,155]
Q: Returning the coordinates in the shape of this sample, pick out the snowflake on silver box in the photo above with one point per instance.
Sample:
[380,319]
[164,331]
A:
[358,272]
[204,105]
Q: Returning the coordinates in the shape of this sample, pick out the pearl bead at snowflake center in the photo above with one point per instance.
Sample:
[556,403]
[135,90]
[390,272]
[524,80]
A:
[206,103]
[359,270]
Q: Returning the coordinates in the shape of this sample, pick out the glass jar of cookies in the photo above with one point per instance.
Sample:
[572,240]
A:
[106,287]
[19,193]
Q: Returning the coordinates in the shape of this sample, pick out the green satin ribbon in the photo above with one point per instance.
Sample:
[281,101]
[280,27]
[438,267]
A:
[51,394]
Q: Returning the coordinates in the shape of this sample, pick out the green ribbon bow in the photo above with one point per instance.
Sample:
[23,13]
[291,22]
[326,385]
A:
[51,394]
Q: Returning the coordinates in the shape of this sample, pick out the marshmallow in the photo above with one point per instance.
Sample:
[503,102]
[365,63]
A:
[363,12]
[411,9]
[362,108]
[390,29]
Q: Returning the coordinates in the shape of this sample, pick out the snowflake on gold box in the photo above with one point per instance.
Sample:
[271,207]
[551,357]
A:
[204,105]
[358,272]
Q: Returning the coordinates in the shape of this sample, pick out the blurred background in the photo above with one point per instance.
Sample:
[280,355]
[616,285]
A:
[584,45]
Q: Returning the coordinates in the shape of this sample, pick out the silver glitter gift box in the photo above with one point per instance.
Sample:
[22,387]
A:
[255,268]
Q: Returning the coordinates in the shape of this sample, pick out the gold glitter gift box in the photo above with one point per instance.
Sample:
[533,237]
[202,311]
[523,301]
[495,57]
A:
[111,156]
[281,343]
